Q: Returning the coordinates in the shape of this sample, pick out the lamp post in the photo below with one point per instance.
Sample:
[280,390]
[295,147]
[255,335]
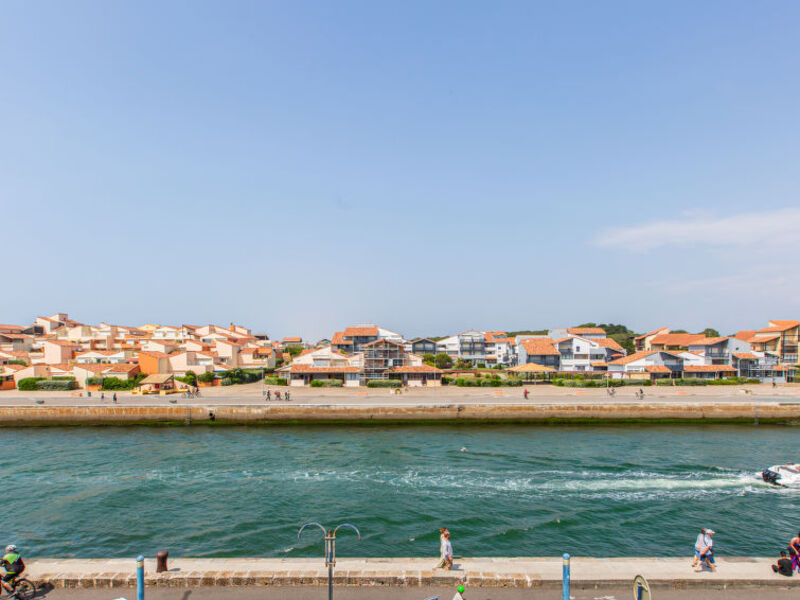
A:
[330,548]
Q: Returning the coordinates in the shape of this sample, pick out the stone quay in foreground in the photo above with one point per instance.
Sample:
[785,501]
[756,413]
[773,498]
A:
[674,573]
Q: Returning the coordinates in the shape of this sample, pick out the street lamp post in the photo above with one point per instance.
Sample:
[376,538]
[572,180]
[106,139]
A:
[330,548]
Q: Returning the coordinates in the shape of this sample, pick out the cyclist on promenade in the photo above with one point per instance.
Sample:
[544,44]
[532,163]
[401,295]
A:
[12,563]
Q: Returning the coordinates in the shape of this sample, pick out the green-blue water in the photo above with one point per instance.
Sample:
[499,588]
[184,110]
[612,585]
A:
[516,490]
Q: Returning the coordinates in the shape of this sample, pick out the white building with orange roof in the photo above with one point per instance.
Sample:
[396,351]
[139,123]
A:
[103,356]
[353,339]
[674,341]
[540,350]
[642,342]
[20,342]
[197,362]
[719,350]
[59,351]
[257,356]
[166,346]
[648,364]
[228,351]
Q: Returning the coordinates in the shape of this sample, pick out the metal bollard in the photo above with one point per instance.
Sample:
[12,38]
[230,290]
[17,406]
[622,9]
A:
[161,561]
[565,578]
[140,577]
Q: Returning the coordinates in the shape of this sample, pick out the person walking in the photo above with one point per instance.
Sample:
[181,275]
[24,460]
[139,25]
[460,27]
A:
[706,550]
[445,550]
[525,394]
[269,395]
[114,398]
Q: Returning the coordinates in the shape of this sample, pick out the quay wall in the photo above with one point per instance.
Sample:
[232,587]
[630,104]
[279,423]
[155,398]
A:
[584,412]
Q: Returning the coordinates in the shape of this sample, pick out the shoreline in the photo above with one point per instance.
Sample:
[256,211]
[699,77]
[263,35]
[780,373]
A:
[514,572]
[586,412]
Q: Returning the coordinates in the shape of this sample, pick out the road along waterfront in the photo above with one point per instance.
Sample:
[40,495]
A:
[503,490]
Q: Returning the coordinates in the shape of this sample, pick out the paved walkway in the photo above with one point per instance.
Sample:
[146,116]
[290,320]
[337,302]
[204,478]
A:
[474,572]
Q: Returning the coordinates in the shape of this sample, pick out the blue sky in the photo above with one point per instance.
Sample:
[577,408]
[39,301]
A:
[431,166]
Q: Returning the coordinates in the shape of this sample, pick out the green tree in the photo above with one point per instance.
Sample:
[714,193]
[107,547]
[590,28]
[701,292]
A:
[294,350]
[443,361]
[429,359]
[463,364]
[710,332]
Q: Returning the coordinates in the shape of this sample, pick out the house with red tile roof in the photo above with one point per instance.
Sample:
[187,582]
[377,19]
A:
[642,342]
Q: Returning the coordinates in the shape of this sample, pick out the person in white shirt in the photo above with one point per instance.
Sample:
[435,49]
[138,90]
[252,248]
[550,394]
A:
[445,550]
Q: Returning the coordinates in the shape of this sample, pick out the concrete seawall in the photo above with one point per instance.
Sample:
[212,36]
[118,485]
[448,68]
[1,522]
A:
[474,572]
[579,412]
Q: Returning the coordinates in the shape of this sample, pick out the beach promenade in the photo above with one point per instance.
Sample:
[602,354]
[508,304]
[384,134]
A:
[246,405]
[518,573]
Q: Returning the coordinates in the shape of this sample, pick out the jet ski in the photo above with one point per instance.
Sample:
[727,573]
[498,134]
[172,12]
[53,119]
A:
[782,475]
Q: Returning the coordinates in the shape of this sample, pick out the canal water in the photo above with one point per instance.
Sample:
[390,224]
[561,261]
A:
[502,490]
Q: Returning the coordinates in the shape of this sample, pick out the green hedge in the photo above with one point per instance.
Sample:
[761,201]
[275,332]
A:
[274,380]
[495,381]
[113,384]
[95,381]
[591,383]
[327,383]
[29,384]
[226,381]
[207,377]
[384,383]
[53,385]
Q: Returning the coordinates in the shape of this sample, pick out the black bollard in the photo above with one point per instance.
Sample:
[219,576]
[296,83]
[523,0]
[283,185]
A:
[161,561]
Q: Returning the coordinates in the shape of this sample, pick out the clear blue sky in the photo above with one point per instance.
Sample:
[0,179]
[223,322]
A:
[431,166]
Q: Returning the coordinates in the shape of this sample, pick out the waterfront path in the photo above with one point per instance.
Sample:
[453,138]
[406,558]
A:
[544,573]
[538,394]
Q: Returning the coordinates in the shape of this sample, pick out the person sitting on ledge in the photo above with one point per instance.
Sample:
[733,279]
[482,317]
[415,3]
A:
[784,566]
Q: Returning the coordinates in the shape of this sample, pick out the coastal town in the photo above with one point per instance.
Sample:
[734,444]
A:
[59,353]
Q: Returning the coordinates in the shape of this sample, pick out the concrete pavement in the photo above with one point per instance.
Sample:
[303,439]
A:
[398,593]
[519,573]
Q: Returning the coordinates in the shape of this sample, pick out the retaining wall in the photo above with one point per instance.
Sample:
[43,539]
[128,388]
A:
[772,412]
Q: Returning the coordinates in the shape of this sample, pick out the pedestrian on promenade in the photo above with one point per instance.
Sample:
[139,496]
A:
[269,395]
[525,393]
[784,566]
[102,395]
[699,544]
[277,394]
[445,550]
[704,551]
[114,398]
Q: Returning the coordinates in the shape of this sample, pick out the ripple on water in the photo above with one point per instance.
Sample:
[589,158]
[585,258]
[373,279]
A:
[518,490]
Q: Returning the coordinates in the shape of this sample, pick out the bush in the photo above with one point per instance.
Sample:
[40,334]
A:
[94,381]
[226,381]
[29,384]
[53,385]
[189,378]
[274,380]
[17,361]
[512,382]
[63,378]
[207,377]
[327,383]
[115,383]
[384,383]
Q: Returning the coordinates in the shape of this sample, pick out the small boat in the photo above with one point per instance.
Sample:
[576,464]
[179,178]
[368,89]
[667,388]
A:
[783,475]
